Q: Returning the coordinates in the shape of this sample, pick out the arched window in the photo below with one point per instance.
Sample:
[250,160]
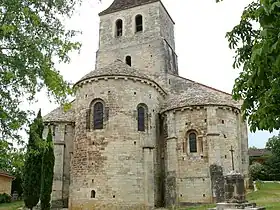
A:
[119,27]
[192,142]
[139,23]
[92,194]
[98,115]
[128,60]
[141,118]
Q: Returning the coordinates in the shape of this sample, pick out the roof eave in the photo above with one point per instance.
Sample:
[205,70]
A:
[107,11]
[7,175]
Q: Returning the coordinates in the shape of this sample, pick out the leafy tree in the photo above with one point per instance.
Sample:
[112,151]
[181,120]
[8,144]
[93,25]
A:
[33,163]
[47,173]
[273,145]
[257,46]
[272,167]
[272,164]
[32,38]
[12,161]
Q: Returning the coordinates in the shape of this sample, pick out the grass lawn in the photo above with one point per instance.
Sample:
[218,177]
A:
[267,196]
[202,207]
[11,206]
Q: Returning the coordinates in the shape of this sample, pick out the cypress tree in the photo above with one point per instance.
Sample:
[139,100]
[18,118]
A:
[47,173]
[33,162]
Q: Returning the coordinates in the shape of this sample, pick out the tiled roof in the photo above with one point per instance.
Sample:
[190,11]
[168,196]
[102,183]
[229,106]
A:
[59,115]
[189,93]
[116,68]
[183,92]
[3,173]
[119,5]
[258,152]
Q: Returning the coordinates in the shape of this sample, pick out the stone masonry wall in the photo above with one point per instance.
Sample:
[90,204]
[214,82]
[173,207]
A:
[229,130]
[193,173]
[116,162]
[6,184]
[217,128]
[167,27]
[147,45]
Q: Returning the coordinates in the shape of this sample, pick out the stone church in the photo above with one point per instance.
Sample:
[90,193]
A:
[138,135]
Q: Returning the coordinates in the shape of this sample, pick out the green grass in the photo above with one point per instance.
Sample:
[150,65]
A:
[201,207]
[11,206]
[268,195]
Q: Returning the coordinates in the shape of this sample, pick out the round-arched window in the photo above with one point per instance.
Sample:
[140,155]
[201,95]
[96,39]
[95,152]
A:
[192,142]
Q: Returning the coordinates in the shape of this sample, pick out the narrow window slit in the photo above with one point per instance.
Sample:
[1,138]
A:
[128,60]
[139,23]
[192,142]
[92,194]
[119,28]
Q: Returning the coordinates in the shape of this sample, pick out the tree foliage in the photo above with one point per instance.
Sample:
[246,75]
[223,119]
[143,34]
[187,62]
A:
[11,159]
[273,145]
[12,162]
[33,163]
[47,172]
[257,47]
[32,38]
[272,164]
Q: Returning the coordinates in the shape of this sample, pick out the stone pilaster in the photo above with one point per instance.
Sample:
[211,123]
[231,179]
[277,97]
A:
[148,176]
[213,137]
[171,162]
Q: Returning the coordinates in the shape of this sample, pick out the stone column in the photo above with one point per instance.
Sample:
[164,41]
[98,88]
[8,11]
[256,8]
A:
[171,162]
[148,176]
[59,152]
[214,155]
[213,137]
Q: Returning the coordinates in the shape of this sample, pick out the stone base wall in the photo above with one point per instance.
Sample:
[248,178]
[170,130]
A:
[194,190]
[96,205]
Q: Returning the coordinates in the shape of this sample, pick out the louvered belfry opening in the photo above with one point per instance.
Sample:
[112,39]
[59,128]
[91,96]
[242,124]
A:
[98,115]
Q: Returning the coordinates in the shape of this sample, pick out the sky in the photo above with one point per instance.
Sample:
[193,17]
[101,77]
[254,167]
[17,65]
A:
[201,46]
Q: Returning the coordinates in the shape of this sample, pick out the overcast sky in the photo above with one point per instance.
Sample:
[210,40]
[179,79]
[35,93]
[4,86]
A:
[203,53]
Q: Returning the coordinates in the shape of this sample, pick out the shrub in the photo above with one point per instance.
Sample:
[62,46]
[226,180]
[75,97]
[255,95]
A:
[257,172]
[259,185]
[5,198]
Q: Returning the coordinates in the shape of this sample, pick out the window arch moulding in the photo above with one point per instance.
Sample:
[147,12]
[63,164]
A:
[97,115]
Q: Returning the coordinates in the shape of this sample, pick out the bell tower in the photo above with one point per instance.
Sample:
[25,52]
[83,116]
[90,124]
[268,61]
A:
[140,33]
